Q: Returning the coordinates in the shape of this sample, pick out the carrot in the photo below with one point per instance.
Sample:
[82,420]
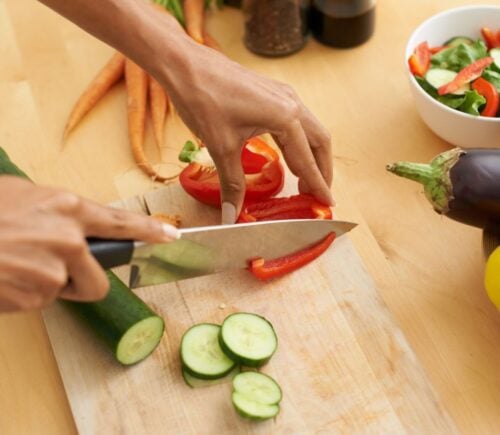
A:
[136,80]
[211,42]
[159,107]
[111,73]
[194,14]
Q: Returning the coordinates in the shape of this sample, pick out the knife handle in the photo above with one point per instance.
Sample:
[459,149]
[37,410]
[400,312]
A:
[111,253]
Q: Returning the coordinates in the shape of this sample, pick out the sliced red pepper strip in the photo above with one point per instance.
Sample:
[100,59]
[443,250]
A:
[294,207]
[488,91]
[434,50]
[264,173]
[267,269]
[420,60]
[466,75]
[490,37]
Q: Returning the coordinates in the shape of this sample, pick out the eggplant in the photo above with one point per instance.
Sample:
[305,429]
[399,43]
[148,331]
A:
[463,185]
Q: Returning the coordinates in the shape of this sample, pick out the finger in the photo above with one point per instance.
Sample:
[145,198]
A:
[232,181]
[320,142]
[14,299]
[300,159]
[88,281]
[113,223]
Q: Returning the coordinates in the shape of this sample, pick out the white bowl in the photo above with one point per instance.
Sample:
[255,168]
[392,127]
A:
[458,128]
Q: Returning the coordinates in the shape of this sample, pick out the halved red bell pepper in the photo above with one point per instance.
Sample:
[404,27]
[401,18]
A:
[267,269]
[264,174]
[294,207]
[466,75]
[420,60]
[491,38]
[488,91]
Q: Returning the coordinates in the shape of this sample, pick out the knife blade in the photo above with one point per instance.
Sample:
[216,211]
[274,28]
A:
[212,249]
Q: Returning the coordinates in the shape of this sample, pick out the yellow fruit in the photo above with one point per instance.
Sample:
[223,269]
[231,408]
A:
[492,277]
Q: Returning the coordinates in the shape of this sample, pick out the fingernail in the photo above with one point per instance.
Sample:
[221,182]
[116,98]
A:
[171,232]
[228,213]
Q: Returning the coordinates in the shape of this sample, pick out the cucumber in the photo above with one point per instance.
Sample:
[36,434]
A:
[457,40]
[253,410]
[248,339]
[495,54]
[258,387]
[129,327]
[201,354]
[194,382]
[438,77]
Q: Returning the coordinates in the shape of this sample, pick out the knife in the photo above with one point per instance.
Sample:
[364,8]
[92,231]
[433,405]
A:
[212,249]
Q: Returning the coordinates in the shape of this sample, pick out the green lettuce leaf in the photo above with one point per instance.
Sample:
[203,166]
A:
[473,101]
[453,101]
[493,77]
[456,58]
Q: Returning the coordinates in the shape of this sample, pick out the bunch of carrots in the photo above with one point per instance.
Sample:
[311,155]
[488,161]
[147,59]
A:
[141,86]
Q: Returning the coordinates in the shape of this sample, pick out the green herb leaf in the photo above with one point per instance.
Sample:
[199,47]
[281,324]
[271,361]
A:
[453,101]
[456,58]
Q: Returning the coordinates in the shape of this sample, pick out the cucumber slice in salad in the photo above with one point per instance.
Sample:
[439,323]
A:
[201,354]
[495,54]
[254,410]
[438,77]
[258,387]
[248,339]
[457,40]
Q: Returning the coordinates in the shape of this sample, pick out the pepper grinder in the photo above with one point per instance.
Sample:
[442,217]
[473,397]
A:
[275,27]
[342,23]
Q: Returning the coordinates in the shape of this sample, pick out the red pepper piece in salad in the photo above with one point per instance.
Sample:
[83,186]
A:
[488,91]
[264,173]
[267,269]
[294,207]
[491,38]
[434,50]
[466,75]
[420,60]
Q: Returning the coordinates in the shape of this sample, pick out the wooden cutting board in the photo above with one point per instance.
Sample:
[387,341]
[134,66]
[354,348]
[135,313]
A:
[342,362]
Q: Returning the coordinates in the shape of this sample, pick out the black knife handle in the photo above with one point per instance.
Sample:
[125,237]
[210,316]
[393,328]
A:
[111,253]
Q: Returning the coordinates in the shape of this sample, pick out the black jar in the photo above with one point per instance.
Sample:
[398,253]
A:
[342,23]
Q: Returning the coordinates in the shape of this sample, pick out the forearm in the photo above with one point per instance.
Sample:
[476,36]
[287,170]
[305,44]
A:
[134,27]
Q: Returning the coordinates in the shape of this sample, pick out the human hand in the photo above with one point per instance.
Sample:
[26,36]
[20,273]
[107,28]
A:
[43,244]
[224,104]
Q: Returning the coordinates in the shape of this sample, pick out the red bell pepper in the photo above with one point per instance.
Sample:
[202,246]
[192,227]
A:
[466,75]
[434,50]
[488,91]
[267,269]
[294,207]
[264,172]
[491,38]
[420,60]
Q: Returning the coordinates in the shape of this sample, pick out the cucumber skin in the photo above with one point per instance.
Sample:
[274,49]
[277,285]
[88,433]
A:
[253,417]
[197,375]
[209,382]
[118,311]
[114,315]
[240,359]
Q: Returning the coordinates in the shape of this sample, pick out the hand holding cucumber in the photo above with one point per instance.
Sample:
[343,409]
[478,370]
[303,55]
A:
[43,244]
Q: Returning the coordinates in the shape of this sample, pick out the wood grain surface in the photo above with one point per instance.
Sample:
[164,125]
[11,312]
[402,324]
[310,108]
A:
[342,362]
[427,269]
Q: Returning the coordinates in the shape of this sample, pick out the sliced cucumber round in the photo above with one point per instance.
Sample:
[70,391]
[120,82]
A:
[140,340]
[248,339]
[201,353]
[250,409]
[258,387]
[194,382]
[457,40]
[495,54]
[438,77]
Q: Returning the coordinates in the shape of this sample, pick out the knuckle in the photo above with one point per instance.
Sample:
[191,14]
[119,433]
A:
[233,186]
[57,279]
[67,201]
[74,244]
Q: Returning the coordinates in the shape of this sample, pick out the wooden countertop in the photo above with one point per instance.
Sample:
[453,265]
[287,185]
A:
[429,269]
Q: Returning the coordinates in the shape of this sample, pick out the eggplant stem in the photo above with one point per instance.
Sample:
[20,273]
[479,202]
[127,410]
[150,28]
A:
[434,176]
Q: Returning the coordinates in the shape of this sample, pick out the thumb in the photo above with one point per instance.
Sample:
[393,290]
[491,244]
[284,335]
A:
[232,181]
